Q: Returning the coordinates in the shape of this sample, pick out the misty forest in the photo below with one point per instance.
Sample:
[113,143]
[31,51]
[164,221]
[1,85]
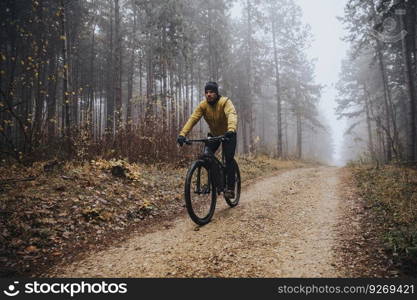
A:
[94,93]
[85,78]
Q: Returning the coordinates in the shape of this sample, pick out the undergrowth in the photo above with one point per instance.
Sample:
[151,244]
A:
[391,191]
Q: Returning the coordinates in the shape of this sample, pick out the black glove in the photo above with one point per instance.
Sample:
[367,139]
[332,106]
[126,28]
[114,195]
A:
[230,134]
[181,140]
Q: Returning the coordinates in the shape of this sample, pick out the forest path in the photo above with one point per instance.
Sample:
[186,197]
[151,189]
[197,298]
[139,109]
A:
[284,226]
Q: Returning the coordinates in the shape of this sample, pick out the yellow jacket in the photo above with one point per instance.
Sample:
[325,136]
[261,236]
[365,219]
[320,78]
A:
[220,117]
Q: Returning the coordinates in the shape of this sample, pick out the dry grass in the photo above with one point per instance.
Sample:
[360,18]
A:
[253,167]
[391,192]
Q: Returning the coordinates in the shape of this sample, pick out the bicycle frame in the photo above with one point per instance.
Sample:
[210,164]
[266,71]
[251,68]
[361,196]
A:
[217,168]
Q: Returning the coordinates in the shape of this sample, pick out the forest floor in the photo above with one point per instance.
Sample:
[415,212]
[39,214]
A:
[53,212]
[303,222]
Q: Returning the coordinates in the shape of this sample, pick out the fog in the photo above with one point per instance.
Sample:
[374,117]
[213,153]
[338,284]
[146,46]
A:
[329,50]
[109,67]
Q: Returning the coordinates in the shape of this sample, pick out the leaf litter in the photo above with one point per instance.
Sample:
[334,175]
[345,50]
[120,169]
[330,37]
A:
[66,209]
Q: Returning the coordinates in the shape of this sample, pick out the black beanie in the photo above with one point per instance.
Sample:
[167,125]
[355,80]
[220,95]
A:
[212,86]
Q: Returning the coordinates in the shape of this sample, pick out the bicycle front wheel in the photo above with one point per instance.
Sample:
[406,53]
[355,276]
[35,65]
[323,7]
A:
[200,193]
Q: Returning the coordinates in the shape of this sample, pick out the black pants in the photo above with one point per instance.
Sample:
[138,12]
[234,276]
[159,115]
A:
[229,149]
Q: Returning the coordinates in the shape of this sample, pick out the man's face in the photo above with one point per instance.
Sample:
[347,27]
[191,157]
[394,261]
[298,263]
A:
[211,96]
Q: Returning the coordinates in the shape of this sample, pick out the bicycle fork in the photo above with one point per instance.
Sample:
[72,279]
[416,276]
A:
[202,188]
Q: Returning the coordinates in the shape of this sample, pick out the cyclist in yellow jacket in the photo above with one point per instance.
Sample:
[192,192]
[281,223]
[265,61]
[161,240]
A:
[221,117]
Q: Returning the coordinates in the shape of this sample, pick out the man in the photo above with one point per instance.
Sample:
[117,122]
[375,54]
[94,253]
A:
[221,117]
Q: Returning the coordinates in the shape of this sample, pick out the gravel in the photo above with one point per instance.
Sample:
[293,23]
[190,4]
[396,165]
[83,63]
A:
[284,226]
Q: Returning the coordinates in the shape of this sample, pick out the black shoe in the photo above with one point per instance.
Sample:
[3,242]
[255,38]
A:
[229,194]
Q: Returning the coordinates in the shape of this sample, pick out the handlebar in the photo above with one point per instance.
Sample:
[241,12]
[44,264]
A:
[220,138]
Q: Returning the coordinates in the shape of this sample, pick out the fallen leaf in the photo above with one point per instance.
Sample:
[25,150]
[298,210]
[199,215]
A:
[31,249]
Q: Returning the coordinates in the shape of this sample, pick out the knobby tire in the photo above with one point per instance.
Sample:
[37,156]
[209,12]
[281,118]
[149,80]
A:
[189,193]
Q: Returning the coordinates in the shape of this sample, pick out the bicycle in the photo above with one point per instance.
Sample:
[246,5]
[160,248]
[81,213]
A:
[205,180]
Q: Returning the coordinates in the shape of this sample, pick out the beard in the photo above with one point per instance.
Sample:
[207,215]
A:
[213,99]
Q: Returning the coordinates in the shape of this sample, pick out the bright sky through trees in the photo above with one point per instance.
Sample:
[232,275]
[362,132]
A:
[329,51]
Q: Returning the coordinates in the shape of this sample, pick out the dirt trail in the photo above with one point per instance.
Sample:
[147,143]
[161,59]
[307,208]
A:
[284,226]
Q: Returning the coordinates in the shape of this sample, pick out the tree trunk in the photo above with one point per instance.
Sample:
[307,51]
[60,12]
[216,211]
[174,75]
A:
[110,82]
[65,92]
[249,111]
[149,83]
[36,135]
[411,89]
[92,84]
[118,66]
[368,123]
[245,136]
[285,132]
[387,92]
[278,91]
[51,110]
[299,136]
[130,75]
[140,104]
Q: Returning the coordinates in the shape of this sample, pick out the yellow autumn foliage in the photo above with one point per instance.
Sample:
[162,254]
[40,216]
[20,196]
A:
[133,170]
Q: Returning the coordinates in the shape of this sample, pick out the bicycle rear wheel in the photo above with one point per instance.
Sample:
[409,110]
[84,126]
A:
[200,193]
[233,202]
